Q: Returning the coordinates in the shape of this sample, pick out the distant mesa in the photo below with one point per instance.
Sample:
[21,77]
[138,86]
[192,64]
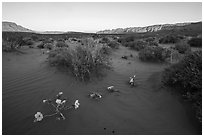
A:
[13,27]
[153,28]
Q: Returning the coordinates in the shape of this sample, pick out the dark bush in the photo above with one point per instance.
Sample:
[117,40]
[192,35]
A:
[82,61]
[74,39]
[26,41]
[187,76]
[153,53]
[61,44]
[41,45]
[48,46]
[195,42]
[150,39]
[182,47]
[104,40]
[105,50]
[11,43]
[34,38]
[169,39]
[114,44]
[153,43]
[136,45]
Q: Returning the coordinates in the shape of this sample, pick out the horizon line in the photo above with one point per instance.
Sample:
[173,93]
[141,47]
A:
[100,30]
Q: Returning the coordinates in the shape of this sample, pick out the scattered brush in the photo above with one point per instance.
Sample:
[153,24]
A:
[82,61]
[187,76]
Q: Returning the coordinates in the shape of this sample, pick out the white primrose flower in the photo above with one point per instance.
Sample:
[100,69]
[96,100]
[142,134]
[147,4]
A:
[60,93]
[58,101]
[38,116]
[76,104]
[131,80]
[64,101]
[44,100]
[99,96]
[111,87]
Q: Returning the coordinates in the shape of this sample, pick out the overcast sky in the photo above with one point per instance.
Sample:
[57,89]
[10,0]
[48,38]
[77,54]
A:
[92,17]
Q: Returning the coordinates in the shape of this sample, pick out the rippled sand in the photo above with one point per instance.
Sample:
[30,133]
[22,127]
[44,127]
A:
[147,108]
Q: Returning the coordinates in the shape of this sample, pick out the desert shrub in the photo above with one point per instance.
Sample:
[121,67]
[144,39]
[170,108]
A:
[153,43]
[26,41]
[82,61]
[182,47]
[195,42]
[34,37]
[105,50]
[60,40]
[113,44]
[46,43]
[41,45]
[136,45]
[48,46]
[126,39]
[104,40]
[73,39]
[11,43]
[61,44]
[169,39]
[153,53]
[6,46]
[150,39]
[187,76]
[174,56]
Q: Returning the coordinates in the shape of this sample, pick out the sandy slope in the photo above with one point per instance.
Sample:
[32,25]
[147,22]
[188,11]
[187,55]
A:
[145,109]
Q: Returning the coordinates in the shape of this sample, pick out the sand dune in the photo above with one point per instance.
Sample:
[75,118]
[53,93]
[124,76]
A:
[145,109]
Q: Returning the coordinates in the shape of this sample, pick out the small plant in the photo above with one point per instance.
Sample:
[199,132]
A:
[153,53]
[59,105]
[48,46]
[136,45]
[182,47]
[153,43]
[11,44]
[26,41]
[113,44]
[61,44]
[104,40]
[169,39]
[195,42]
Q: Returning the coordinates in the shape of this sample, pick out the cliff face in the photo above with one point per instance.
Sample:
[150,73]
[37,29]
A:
[10,26]
[153,28]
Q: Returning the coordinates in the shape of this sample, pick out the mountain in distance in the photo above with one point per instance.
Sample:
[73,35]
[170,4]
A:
[13,27]
[153,28]
[50,32]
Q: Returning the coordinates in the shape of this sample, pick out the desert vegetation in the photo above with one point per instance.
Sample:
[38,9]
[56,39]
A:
[182,47]
[81,61]
[169,39]
[187,77]
[154,53]
[87,56]
[195,42]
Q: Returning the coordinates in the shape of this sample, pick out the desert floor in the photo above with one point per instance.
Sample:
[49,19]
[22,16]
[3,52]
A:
[148,108]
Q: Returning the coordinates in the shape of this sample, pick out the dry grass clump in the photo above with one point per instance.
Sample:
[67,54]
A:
[61,44]
[182,47]
[11,44]
[154,53]
[82,61]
